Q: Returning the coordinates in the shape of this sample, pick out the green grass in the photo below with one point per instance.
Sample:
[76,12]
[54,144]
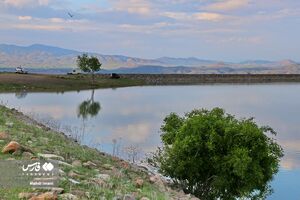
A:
[51,142]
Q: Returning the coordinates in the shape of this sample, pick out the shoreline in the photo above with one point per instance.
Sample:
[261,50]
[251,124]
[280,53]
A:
[81,166]
[11,82]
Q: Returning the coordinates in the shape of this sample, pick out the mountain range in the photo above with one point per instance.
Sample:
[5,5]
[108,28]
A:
[43,56]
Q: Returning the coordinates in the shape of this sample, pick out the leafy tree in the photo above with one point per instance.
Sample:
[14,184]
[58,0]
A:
[89,64]
[212,155]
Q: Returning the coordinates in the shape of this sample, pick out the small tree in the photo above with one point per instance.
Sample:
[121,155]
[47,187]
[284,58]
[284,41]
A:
[89,64]
[213,155]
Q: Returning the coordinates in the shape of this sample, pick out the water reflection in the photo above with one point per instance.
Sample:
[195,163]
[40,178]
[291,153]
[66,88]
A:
[88,108]
[131,117]
[22,94]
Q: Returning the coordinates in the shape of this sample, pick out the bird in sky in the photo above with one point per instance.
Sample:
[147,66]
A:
[70,15]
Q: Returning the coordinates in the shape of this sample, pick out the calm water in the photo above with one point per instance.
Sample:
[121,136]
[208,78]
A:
[131,117]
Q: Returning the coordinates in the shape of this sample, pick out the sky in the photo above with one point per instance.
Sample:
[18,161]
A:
[228,30]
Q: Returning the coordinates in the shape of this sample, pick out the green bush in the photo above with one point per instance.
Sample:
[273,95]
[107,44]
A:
[213,155]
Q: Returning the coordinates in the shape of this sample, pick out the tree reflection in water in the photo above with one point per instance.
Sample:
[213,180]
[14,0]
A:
[89,108]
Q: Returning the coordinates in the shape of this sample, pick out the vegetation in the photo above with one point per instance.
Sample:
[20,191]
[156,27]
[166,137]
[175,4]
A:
[89,64]
[11,82]
[213,155]
[42,140]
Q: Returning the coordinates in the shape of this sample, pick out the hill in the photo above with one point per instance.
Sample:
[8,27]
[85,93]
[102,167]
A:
[43,56]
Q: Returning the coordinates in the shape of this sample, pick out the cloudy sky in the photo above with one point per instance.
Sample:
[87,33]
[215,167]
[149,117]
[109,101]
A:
[231,30]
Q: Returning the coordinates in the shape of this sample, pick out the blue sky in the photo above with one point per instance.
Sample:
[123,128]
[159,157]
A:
[230,30]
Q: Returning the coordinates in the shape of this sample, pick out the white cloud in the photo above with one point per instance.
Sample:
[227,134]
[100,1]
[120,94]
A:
[23,3]
[209,16]
[24,18]
[141,7]
[200,16]
[226,5]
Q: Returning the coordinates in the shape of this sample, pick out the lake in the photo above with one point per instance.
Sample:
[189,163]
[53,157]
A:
[119,121]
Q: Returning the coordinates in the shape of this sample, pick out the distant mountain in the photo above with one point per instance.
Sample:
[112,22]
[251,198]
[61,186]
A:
[43,56]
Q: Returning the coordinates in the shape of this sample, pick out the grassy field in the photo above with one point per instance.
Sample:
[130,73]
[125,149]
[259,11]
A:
[40,139]
[11,82]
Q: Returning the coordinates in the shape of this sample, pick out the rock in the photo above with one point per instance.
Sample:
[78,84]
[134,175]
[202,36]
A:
[11,147]
[50,156]
[68,196]
[78,193]
[73,174]
[27,154]
[125,165]
[77,163]
[74,181]
[64,164]
[128,197]
[98,182]
[57,190]
[139,182]
[104,177]
[107,166]
[144,198]
[25,195]
[61,172]
[3,136]
[89,164]
[156,179]
[153,179]
[45,196]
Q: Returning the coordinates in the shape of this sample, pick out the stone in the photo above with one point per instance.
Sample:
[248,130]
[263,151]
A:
[107,166]
[11,147]
[65,164]
[61,172]
[50,156]
[3,136]
[68,196]
[73,174]
[77,163]
[98,182]
[27,154]
[89,164]
[128,197]
[139,182]
[104,177]
[45,196]
[74,181]
[25,195]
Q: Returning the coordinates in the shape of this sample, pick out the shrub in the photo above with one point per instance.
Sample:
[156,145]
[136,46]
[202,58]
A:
[211,154]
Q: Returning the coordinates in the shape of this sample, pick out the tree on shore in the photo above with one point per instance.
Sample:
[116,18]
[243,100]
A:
[213,155]
[89,64]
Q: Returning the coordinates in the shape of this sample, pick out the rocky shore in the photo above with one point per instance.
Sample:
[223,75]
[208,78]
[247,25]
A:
[84,173]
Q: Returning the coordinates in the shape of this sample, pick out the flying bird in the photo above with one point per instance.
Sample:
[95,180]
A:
[70,15]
